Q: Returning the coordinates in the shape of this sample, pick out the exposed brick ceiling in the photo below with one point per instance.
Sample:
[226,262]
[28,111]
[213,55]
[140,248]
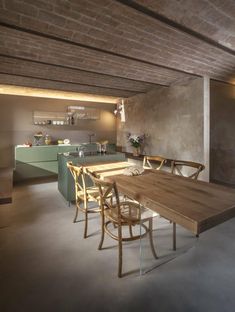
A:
[115,47]
[212,18]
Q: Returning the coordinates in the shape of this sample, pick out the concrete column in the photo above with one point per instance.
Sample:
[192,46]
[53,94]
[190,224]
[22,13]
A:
[206,132]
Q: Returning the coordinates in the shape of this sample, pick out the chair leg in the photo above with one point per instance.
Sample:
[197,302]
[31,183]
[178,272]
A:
[151,238]
[102,232]
[86,219]
[130,230]
[76,215]
[119,250]
[174,236]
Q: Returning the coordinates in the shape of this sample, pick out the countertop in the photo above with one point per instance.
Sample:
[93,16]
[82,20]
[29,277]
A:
[89,154]
[51,145]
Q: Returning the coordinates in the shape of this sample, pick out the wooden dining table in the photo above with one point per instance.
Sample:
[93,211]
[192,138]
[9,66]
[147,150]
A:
[195,205]
[104,170]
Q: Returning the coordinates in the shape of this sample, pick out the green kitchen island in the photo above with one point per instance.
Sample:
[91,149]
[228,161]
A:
[65,179]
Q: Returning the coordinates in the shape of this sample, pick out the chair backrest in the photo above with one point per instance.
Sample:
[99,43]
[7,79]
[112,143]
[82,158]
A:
[158,159]
[178,165]
[105,190]
[79,179]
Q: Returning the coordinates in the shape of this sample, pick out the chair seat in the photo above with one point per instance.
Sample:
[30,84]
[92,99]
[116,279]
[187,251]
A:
[92,192]
[130,216]
[130,213]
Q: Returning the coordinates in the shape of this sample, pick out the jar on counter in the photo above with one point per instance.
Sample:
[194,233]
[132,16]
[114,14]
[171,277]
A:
[47,139]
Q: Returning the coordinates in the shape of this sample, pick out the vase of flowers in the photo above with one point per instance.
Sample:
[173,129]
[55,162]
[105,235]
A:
[136,151]
[135,141]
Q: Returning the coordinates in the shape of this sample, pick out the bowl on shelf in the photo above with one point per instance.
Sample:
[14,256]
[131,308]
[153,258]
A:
[66,141]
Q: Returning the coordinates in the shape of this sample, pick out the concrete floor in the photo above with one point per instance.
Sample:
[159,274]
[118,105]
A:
[46,265]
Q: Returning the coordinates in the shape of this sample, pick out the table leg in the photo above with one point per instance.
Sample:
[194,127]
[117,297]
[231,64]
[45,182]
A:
[174,236]
[141,251]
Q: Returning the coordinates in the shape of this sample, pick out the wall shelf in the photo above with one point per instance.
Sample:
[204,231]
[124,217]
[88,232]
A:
[70,118]
[50,118]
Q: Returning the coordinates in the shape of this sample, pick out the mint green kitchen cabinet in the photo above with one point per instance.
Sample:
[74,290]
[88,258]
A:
[42,161]
[38,161]
[36,154]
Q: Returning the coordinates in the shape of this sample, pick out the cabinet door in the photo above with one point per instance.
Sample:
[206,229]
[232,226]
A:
[48,166]
[36,154]
[65,149]
[35,170]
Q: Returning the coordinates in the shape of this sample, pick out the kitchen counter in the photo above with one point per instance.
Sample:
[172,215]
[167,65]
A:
[65,179]
[42,161]
[45,145]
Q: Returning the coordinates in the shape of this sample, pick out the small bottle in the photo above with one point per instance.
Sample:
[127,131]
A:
[72,120]
[99,148]
[47,139]
[103,149]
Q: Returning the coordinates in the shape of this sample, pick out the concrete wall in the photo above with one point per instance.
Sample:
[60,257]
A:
[171,117]
[16,123]
[222,149]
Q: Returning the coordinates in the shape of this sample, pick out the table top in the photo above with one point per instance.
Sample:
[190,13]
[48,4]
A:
[6,185]
[107,169]
[195,205]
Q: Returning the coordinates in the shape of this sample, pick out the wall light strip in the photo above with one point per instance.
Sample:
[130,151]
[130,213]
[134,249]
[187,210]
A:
[57,94]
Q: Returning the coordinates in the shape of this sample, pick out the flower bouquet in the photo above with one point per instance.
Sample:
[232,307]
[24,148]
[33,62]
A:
[135,141]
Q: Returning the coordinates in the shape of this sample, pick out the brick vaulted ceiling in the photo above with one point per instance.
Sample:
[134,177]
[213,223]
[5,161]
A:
[115,47]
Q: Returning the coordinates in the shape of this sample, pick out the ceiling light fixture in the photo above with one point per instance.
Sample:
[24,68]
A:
[120,110]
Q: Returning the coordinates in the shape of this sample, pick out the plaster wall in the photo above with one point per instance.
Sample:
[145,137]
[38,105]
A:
[171,118]
[16,123]
[222,132]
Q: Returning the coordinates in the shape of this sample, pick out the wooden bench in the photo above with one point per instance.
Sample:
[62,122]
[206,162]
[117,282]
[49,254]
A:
[6,185]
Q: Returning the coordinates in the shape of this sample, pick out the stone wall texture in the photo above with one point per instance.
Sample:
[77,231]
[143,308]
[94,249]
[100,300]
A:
[222,149]
[172,119]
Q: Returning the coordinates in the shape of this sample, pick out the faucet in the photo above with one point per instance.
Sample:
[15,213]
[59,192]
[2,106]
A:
[90,136]
[81,150]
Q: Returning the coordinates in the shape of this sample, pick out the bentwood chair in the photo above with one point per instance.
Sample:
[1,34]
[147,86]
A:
[83,194]
[187,169]
[179,167]
[115,215]
[157,160]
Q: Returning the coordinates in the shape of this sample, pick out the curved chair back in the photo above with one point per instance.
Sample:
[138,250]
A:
[148,162]
[105,190]
[79,180]
[177,166]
